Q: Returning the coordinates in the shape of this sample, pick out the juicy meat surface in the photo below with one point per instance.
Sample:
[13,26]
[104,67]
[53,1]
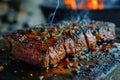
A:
[69,46]
[80,42]
[49,45]
[90,38]
[56,52]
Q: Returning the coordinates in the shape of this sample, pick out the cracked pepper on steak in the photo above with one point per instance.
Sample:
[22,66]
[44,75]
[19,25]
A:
[48,45]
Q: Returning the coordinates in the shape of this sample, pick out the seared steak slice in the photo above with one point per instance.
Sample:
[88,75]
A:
[90,38]
[31,55]
[80,42]
[69,46]
[104,30]
[56,52]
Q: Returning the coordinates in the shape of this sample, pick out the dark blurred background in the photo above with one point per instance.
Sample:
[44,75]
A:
[23,14]
[19,14]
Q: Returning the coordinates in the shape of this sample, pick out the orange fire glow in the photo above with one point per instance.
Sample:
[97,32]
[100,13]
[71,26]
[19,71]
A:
[71,4]
[85,4]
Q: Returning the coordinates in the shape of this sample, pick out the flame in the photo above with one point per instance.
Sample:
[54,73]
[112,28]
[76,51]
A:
[71,4]
[85,4]
[92,4]
[101,4]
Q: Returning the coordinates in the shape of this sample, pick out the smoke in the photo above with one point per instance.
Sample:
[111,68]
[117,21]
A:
[77,16]
[52,15]
[71,16]
[85,15]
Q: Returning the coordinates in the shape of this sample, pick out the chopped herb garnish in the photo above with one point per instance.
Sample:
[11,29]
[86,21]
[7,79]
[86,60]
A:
[60,33]
[38,26]
[44,37]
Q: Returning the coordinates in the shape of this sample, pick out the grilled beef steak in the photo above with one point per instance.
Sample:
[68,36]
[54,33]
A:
[48,45]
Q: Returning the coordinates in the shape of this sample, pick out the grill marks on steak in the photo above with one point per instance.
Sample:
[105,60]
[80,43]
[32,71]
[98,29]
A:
[90,38]
[30,46]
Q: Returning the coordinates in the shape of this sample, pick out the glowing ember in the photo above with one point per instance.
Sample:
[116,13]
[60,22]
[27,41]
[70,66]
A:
[85,4]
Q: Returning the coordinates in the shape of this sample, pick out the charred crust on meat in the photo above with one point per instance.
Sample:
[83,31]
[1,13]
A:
[51,43]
